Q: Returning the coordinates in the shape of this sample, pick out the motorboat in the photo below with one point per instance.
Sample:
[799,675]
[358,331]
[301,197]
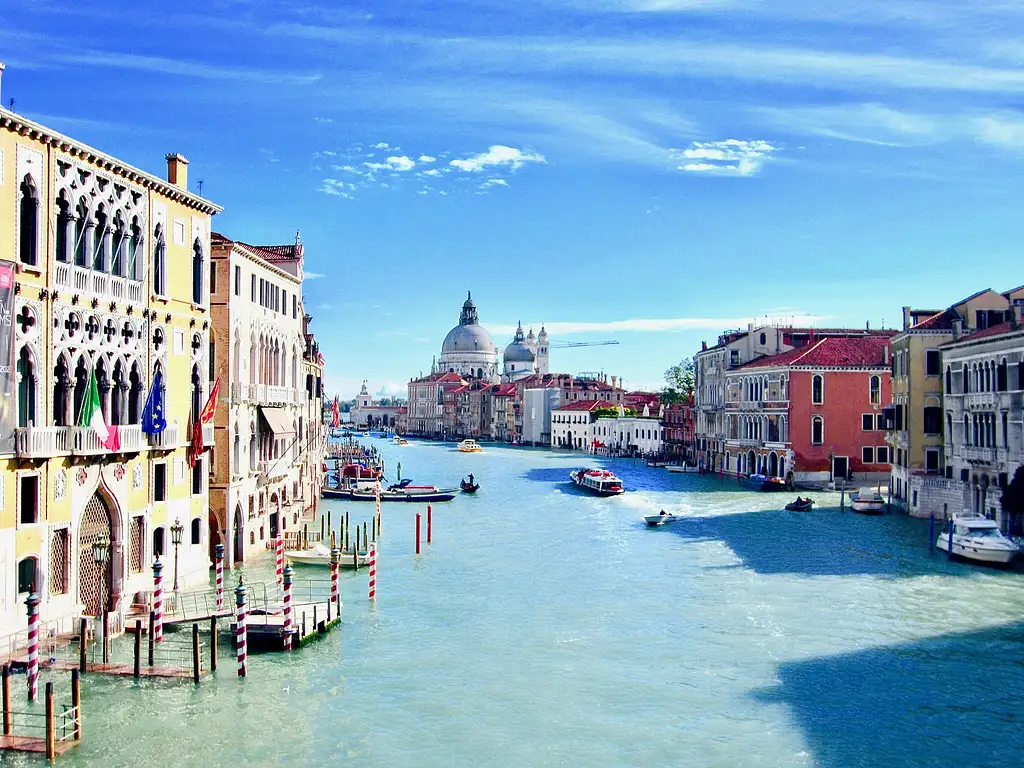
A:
[801,505]
[658,462]
[661,519]
[974,537]
[599,482]
[683,468]
[406,486]
[399,440]
[469,487]
[470,446]
[365,434]
[398,494]
[759,482]
[867,501]
[320,554]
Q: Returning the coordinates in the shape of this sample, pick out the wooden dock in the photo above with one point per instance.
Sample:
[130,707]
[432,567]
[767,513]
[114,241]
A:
[33,745]
[122,670]
[265,631]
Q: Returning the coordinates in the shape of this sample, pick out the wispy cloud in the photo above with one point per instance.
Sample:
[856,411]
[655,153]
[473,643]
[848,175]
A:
[666,324]
[313,275]
[497,155]
[731,157]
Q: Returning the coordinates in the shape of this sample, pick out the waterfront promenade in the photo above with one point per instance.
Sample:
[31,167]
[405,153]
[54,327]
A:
[543,627]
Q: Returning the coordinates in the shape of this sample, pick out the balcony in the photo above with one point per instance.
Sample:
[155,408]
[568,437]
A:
[974,400]
[41,442]
[99,285]
[266,394]
[979,455]
[167,440]
[85,441]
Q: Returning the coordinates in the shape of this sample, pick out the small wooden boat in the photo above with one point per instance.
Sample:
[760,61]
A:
[321,555]
[661,519]
[470,446]
[356,494]
[469,487]
[800,505]
[599,482]
[867,501]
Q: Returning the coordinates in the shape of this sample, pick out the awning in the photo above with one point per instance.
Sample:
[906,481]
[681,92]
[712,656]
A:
[277,421]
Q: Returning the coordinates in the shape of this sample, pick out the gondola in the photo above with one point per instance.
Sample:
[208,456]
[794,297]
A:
[469,487]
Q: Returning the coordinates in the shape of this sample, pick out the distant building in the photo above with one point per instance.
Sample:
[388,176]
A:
[678,431]
[426,407]
[370,414]
[628,436]
[573,424]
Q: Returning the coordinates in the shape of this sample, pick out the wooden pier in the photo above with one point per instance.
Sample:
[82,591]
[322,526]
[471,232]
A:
[60,732]
[309,622]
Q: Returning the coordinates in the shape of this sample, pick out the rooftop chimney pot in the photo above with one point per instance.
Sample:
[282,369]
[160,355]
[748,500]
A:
[906,318]
[177,170]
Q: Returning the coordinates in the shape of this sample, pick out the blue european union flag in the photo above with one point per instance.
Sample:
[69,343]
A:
[153,421]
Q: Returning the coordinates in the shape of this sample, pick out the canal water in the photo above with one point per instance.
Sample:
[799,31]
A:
[543,627]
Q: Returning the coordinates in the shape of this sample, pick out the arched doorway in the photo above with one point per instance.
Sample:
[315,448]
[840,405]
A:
[773,464]
[239,535]
[95,524]
[751,462]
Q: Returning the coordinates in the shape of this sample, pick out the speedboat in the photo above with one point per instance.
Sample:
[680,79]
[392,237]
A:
[661,519]
[974,537]
[764,483]
[599,482]
[800,505]
[399,440]
[867,501]
[682,468]
[319,554]
[470,446]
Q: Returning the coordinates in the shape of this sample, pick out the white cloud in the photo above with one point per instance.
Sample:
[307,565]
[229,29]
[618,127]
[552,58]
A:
[313,275]
[494,183]
[323,120]
[731,157]
[401,163]
[427,159]
[661,325]
[336,188]
[497,155]
[432,172]
[383,145]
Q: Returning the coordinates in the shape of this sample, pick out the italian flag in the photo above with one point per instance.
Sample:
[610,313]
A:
[92,416]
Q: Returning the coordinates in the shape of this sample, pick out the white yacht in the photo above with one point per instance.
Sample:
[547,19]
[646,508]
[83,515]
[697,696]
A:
[867,501]
[974,537]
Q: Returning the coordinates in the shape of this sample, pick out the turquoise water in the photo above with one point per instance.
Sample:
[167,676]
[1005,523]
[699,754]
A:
[547,628]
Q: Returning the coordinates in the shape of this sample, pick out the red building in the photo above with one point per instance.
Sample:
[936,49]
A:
[815,411]
[678,432]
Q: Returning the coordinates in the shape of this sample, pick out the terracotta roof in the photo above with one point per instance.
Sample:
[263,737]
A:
[831,352]
[271,253]
[443,378]
[995,330]
[504,390]
[943,321]
[586,405]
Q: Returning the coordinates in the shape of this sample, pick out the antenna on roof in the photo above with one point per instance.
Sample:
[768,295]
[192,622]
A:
[200,182]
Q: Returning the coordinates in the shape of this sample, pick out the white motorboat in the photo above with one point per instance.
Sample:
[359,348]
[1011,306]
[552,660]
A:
[470,446]
[599,482]
[683,468]
[867,501]
[974,537]
[661,519]
[319,554]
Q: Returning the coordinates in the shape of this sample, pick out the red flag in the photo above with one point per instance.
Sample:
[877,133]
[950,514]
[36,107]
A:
[335,413]
[197,447]
[211,404]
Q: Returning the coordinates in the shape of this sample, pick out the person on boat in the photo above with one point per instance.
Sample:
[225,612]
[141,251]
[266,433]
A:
[664,512]
[471,478]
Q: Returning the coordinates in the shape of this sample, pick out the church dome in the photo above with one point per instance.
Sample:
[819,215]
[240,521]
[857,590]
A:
[519,350]
[468,335]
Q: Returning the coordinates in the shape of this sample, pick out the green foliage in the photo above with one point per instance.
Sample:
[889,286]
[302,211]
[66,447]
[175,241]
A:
[611,413]
[1013,495]
[680,383]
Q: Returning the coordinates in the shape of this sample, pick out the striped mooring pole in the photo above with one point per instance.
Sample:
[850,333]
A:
[240,633]
[287,582]
[33,646]
[335,567]
[279,547]
[376,493]
[373,572]
[158,600]
[219,557]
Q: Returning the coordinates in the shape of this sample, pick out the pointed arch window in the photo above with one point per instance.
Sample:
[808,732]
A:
[26,389]
[135,395]
[119,247]
[119,395]
[61,390]
[159,261]
[99,239]
[81,234]
[63,237]
[28,222]
[197,272]
[81,383]
[197,393]
[134,244]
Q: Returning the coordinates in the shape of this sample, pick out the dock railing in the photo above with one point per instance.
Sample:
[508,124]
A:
[50,731]
[52,633]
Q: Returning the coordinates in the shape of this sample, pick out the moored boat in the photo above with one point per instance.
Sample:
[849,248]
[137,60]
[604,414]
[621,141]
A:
[867,501]
[599,482]
[319,555]
[974,537]
[682,468]
[470,446]
[764,483]
[356,494]
[658,462]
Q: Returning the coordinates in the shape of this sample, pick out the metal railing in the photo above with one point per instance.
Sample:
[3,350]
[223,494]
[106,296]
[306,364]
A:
[16,643]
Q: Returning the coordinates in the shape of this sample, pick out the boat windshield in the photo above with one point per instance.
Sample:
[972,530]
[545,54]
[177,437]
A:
[983,533]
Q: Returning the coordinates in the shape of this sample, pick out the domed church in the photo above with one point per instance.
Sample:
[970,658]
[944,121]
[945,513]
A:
[468,351]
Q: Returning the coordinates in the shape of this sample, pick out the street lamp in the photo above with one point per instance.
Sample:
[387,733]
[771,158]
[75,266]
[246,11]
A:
[100,551]
[831,464]
[176,530]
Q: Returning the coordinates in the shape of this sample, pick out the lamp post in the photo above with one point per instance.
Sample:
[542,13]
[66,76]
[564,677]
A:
[176,530]
[100,551]
[831,457]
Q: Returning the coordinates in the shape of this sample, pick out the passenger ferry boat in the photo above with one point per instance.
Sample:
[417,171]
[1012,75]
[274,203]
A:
[599,482]
[974,537]
[470,446]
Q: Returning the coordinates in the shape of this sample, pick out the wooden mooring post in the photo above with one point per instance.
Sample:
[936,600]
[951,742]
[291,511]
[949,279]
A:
[51,726]
[137,668]
[842,497]
[8,730]
[196,663]
[83,644]
[152,637]
[76,702]
[213,644]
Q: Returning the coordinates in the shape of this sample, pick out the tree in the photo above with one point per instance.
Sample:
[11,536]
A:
[680,383]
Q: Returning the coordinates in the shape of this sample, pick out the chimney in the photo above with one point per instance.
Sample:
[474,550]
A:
[906,318]
[958,328]
[177,170]
[867,326]
[1015,317]
[885,355]
[703,346]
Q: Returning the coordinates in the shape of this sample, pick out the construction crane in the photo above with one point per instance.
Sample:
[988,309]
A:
[567,344]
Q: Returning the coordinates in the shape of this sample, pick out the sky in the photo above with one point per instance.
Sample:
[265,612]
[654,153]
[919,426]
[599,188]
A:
[651,172]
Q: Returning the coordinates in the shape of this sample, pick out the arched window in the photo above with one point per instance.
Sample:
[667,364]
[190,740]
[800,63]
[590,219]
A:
[159,261]
[197,272]
[966,379]
[26,389]
[875,389]
[81,383]
[949,426]
[28,222]
[197,393]
[81,238]
[817,430]
[1020,374]
[64,234]
[99,236]
[119,395]
[119,246]
[949,380]
[27,575]
[134,244]
[236,454]
[158,542]
[1001,376]
[479,373]
[236,360]
[817,389]
[61,389]
[103,384]
[135,396]
[253,449]
[197,530]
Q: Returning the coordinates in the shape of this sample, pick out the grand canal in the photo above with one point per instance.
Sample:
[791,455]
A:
[542,627]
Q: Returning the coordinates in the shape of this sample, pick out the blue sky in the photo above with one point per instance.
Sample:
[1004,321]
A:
[650,171]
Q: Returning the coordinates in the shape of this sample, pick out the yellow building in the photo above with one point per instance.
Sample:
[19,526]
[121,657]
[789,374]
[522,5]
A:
[112,281]
[916,417]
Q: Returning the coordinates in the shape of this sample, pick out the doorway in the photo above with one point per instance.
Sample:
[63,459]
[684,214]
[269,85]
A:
[840,467]
[94,526]
[239,553]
